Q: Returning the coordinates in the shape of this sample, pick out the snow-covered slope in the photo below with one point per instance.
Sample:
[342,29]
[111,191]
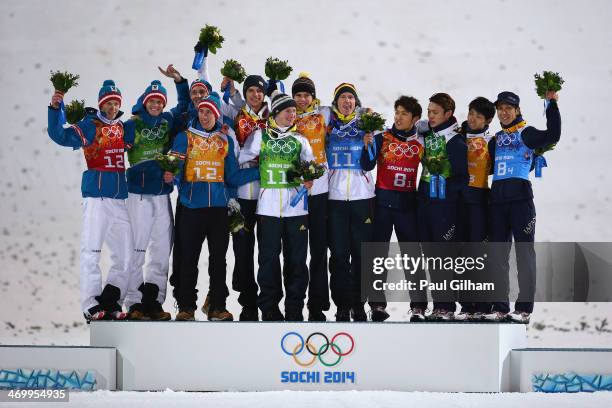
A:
[385,48]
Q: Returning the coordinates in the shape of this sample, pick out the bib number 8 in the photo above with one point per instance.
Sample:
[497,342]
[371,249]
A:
[503,169]
[399,180]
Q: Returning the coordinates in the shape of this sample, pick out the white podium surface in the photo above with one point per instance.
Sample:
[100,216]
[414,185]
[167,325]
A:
[241,356]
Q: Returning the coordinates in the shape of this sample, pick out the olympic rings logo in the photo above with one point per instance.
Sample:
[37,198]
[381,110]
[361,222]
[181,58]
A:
[433,143]
[317,352]
[506,139]
[475,145]
[403,149]
[277,146]
[250,125]
[310,124]
[112,132]
[152,134]
[352,132]
[200,143]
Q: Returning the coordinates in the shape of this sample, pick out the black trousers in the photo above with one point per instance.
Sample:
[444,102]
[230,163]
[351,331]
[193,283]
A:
[290,236]
[513,219]
[437,221]
[350,224]
[404,222]
[194,226]
[318,286]
[243,242]
[472,232]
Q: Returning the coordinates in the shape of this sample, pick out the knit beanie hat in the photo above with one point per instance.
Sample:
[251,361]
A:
[155,90]
[108,92]
[254,80]
[202,83]
[345,87]
[212,103]
[281,101]
[303,84]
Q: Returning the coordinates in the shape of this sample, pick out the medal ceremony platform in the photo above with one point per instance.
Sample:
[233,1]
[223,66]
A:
[265,356]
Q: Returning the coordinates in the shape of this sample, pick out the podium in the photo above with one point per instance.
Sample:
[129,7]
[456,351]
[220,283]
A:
[265,356]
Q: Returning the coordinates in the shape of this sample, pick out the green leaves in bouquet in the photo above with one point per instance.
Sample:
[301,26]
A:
[548,81]
[435,164]
[371,121]
[541,150]
[306,171]
[63,81]
[168,163]
[277,70]
[234,71]
[75,111]
[211,36]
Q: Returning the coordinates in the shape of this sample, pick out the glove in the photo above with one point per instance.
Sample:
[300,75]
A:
[271,88]
[233,205]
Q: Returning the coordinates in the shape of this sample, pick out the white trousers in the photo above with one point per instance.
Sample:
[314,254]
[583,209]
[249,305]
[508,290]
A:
[105,220]
[152,228]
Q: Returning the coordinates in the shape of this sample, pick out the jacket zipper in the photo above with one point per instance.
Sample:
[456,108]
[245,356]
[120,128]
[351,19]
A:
[348,186]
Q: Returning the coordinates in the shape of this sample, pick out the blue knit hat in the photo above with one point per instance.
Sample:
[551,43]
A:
[108,92]
[201,82]
[155,90]
[212,103]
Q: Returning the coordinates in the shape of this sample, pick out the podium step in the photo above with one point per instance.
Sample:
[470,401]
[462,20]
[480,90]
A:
[241,356]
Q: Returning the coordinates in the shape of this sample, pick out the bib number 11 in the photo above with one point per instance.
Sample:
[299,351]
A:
[283,177]
[348,161]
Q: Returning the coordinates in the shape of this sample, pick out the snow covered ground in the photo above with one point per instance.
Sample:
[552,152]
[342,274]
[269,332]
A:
[385,48]
[353,399]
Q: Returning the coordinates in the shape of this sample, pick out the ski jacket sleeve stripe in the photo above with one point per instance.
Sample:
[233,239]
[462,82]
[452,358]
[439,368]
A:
[75,136]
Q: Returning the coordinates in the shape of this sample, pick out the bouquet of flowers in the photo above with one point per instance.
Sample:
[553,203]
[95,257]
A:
[75,111]
[236,219]
[548,81]
[169,163]
[370,122]
[210,40]
[234,71]
[304,171]
[277,71]
[63,81]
